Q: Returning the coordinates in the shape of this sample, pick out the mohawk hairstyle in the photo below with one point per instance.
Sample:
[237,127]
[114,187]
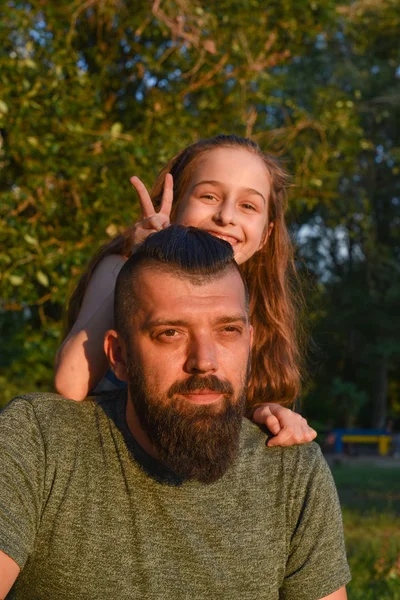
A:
[186,252]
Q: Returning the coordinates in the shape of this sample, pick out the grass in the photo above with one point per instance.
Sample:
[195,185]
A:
[370,498]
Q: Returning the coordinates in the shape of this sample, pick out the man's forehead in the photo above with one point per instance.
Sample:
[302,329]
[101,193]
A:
[165,292]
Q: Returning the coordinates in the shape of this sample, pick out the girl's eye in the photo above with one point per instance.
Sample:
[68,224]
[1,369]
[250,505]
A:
[249,206]
[209,197]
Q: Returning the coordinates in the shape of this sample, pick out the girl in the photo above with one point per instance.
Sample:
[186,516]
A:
[229,187]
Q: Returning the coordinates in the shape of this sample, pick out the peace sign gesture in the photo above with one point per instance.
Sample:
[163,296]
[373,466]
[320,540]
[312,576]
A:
[151,221]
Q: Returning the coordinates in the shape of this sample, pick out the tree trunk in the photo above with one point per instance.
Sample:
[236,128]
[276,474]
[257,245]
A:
[380,402]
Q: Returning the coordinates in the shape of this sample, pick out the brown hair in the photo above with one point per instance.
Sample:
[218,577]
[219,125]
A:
[270,274]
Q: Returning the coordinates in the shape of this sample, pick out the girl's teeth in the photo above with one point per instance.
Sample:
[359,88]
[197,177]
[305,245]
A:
[231,240]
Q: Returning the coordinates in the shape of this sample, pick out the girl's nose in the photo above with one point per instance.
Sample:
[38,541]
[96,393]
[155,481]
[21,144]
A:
[226,214]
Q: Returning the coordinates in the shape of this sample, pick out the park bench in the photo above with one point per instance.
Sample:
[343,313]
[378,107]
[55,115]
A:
[362,436]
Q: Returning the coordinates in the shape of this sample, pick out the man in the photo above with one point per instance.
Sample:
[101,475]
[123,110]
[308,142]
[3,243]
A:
[165,491]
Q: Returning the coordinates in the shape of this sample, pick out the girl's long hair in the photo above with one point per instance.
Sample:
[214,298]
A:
[275,296]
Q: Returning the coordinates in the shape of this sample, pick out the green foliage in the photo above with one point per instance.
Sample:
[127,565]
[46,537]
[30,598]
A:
[370,497]
[369,489]
[373,548]
[92,93]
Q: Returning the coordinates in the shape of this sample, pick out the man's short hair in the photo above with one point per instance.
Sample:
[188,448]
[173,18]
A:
[185,252]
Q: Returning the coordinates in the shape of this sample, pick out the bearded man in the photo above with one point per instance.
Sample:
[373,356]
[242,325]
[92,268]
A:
[164,491]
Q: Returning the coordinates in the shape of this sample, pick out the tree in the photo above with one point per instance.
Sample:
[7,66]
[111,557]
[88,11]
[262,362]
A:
[94,92]
[359,230]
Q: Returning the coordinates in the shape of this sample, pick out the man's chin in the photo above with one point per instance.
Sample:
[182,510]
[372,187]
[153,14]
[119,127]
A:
[195,428]
[199,443]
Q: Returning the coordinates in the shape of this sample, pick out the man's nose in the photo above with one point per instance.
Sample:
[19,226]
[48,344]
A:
[226,213]
[201,356]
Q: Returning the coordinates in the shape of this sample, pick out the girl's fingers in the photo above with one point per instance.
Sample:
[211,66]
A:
[289,436]
[282,439]
[168,195]
[154,223]
[309,434]
[146,204]
[261,413]
[273,424]
[143,229]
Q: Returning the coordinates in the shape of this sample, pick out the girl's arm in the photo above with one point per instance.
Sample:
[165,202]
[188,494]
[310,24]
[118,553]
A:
[287,426]
[9,571]
[80,360]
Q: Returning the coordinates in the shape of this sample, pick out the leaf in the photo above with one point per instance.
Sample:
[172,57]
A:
[16,280]
[29,63]
[42,278]
[210,46]
[3,107]
[112,230]
[30,240]
[116,129]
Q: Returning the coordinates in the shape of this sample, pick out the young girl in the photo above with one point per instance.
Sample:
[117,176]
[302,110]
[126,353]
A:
[229,187]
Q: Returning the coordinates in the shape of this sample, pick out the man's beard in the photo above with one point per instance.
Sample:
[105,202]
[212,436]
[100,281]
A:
[194,441]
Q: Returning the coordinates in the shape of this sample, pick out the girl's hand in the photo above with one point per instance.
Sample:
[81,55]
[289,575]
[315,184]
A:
[151,221]
[287,426]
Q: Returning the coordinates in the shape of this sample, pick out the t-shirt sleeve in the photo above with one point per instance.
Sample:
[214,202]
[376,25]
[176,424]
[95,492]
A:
[317,564]
[22,475]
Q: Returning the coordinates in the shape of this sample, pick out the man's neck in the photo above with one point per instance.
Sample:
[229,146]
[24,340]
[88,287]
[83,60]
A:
[137,431]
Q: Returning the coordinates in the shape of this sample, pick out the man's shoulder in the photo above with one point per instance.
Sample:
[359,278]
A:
[42,411]
[51,411]
[48,400]
[58,423]
[45,402]
[255,437]
[292,471]
[296,485]
[34,398]
[297,461]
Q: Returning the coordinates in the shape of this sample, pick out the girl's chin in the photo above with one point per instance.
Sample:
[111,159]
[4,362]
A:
[240,255]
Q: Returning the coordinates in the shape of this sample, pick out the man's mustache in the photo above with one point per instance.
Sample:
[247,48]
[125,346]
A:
[195,383]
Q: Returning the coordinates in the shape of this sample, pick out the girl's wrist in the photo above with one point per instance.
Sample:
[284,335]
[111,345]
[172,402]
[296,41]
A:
[250,410]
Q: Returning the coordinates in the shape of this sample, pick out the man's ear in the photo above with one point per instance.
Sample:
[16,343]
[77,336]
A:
[266,235]
[115,350]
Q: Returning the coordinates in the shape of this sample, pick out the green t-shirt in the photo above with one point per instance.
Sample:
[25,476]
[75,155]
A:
[88,515]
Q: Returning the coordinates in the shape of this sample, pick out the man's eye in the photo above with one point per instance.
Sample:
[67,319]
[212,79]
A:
[232,330]
[168,333]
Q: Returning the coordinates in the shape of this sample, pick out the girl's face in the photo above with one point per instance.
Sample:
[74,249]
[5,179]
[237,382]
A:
[227,196]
